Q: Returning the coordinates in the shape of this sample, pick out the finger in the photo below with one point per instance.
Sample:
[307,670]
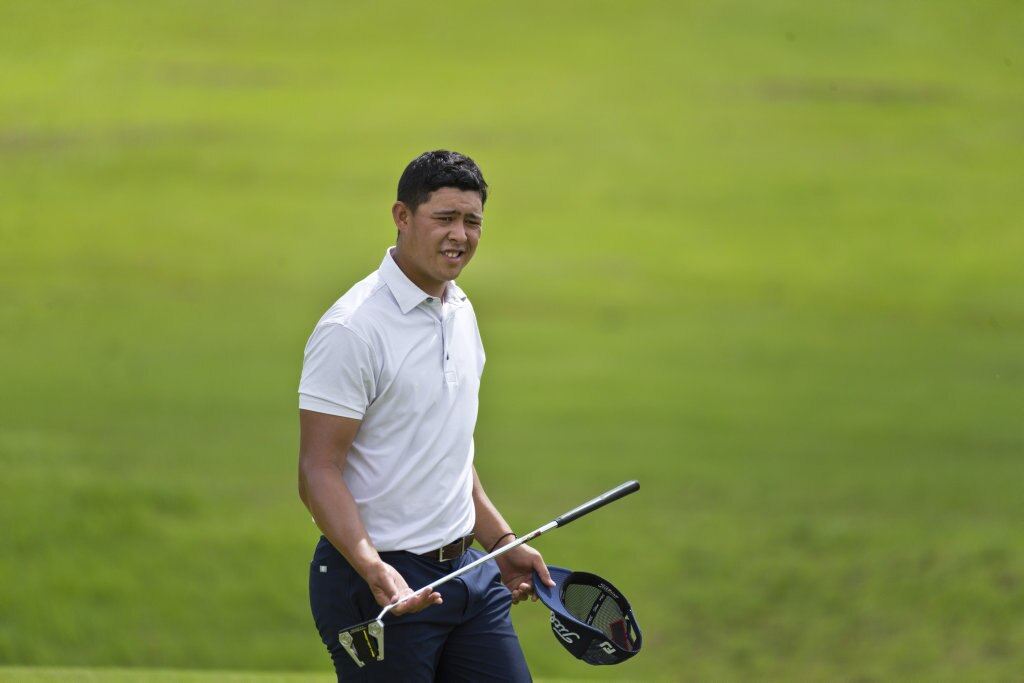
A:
[406,602]
[522,592]
[543,573]
[418,603]
[384,596]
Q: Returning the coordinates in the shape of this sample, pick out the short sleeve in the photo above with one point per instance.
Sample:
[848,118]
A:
[338,373]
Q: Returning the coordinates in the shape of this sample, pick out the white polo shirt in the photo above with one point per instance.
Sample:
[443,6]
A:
[408,365]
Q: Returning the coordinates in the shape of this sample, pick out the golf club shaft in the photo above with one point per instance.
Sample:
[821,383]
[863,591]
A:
[574,514]
[472,565]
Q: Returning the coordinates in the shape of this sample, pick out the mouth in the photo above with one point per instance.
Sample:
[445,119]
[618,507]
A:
[453,254]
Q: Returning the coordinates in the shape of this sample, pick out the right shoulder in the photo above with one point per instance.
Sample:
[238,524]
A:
[348,334]
[357,308]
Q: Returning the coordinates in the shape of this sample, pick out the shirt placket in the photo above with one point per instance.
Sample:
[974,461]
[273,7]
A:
[451,377]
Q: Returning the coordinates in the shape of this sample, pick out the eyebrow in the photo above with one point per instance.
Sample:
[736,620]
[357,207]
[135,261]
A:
[454,212]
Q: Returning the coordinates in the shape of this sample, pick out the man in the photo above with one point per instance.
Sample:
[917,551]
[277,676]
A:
[388,404]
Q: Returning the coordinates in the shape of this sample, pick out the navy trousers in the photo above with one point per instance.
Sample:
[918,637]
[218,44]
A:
[467,638]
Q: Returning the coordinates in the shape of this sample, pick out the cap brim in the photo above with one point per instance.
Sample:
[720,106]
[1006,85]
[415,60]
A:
[587,642]
[551,595]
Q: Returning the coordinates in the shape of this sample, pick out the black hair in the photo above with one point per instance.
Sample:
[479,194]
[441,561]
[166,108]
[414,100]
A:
[431,171]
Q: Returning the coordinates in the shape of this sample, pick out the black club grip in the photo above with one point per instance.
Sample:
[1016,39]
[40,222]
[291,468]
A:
[600,501]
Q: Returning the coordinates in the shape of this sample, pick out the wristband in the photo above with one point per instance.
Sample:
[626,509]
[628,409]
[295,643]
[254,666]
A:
[500,539]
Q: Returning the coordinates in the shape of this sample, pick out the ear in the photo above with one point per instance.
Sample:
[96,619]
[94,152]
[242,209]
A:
[402,216]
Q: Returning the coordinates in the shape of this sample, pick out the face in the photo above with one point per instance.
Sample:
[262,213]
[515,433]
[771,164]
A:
[437,240]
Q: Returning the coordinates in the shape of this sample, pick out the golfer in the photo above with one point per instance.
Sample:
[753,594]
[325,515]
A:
[388,403]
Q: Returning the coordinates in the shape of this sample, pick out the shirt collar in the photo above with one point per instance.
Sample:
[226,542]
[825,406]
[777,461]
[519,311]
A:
[407,294]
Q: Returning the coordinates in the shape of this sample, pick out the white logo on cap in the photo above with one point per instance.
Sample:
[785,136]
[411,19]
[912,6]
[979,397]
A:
[561,631]
[607,647]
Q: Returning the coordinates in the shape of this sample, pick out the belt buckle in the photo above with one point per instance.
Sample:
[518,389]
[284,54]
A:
[442,552]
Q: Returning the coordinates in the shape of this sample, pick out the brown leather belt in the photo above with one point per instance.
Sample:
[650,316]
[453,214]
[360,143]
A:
[452,551]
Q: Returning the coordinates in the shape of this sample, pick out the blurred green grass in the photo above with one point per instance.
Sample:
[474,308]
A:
[101,675]
[763,257]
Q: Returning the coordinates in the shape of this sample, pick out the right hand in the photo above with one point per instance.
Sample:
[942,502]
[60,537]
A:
[388,587]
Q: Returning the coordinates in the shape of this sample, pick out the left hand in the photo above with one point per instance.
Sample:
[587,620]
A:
[517,567]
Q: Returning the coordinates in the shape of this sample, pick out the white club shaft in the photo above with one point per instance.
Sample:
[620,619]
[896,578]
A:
[472,565]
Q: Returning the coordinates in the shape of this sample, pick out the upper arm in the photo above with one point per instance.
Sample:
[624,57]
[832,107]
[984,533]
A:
[325,439]
[336,387]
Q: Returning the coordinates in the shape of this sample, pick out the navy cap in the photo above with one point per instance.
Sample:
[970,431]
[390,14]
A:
[589,616]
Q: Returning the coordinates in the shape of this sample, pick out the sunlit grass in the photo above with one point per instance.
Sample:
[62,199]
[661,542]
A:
[763,257]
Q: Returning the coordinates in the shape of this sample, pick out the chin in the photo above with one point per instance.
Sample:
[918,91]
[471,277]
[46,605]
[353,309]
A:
[451,272]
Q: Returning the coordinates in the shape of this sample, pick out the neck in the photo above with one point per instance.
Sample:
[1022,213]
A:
[431,288]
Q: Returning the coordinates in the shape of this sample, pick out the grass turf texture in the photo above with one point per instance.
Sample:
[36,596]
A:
[100,675]
[761,256]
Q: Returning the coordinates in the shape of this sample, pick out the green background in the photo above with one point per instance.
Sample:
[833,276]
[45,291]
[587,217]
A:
[764,257]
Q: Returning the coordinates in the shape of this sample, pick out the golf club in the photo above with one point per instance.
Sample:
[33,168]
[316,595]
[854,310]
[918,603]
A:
[366,640]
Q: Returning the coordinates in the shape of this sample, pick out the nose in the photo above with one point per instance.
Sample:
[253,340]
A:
[457,230]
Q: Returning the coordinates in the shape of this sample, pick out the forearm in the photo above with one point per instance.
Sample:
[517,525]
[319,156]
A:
[490,528]
[324,442]
[336,514]
[518,565]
